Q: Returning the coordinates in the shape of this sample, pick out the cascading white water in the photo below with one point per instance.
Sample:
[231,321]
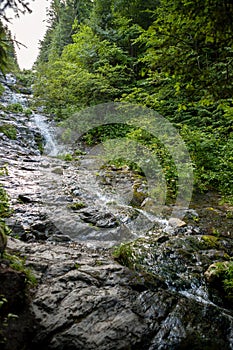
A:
[9,96]
[51,146]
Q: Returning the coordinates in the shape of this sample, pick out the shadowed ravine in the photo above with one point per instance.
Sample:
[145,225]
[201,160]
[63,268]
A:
[68,216]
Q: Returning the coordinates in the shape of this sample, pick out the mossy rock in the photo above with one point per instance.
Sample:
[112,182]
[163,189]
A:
[211,241]
[5,210]
[78,152]
[220,276]
[138,198]
[77,206]
[3,238]
[67,157]
[124,254]
[17,263]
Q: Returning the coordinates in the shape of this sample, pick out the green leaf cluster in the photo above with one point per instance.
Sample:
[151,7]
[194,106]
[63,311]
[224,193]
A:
[9,130]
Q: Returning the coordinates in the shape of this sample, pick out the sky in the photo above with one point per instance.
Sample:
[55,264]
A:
[29,29]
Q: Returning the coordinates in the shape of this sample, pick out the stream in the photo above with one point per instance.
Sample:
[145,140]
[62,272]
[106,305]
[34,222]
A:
[60,204]
[64,200]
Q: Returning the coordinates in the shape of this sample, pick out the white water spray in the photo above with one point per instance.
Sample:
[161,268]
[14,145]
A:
[51,146]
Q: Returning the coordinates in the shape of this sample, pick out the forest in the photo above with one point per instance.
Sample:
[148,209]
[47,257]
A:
[175,57]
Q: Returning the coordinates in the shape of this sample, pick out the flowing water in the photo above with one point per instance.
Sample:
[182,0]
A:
[72,196]
[51,147]
[59,200]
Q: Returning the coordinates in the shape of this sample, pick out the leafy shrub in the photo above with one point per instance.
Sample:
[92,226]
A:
[9,130]
[15,108]
[5,210]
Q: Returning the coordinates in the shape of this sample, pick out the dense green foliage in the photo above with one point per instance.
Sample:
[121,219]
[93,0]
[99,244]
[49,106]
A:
[7,52]
[175,57]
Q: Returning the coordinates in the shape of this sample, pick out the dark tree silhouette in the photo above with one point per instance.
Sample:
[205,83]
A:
[18,6]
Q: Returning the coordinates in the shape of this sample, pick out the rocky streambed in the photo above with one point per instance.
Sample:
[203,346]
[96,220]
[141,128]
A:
[102,282]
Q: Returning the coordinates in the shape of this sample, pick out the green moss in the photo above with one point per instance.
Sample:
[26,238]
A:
[229,214]
[211,241]
[138,198]
[77,206]
[67,157]
[3,238]
[15,262]
[4,171]
[9,130]
[124,254]
[99,263]
[78,152]
[3,301]
[28,112]
[1,89]
[18,264]
[5,210]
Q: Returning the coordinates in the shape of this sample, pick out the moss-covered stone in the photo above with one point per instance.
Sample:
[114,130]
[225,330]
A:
[211,241]
[138,198]
[77,206]
[5,210]
[17,263]
[3,238]
[124,254]
[220,276]
[67,157]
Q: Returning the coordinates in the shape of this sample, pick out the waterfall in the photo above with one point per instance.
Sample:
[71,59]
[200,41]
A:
[51,146]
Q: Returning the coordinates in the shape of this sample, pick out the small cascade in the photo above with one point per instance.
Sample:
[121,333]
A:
[51,147]
[9,96]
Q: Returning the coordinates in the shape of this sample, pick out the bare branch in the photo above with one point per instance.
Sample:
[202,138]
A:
[18,6]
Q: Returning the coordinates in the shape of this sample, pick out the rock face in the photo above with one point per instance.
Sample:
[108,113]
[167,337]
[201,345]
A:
[85,300]
[17,322]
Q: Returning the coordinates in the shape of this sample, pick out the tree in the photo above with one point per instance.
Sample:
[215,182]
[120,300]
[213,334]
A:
[7,52]
[61,18]
[18,6]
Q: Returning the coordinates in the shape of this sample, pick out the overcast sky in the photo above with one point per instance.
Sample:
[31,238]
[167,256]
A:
[29,29]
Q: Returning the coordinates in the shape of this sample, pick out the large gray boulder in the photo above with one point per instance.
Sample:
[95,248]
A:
[85,300]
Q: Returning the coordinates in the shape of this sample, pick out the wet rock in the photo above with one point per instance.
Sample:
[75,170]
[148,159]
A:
[17,228]
[59,238]
[99,219]
[85,300]
[181,260]
[176,223]
[27,168]
[58,171]
[24,199]
[17,323]
[219,277]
